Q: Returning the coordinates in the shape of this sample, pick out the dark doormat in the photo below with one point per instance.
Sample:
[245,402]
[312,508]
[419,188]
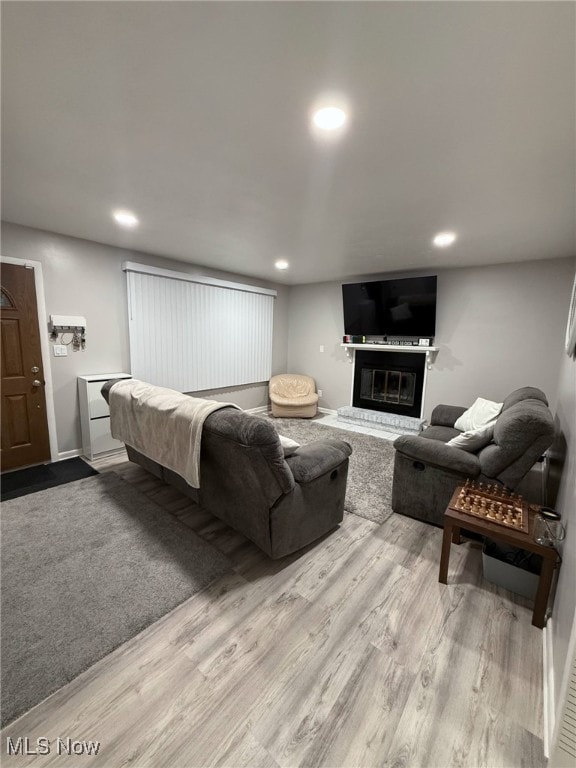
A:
[32,479]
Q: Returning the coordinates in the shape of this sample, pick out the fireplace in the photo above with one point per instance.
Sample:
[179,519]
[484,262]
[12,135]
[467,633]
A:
[389,381]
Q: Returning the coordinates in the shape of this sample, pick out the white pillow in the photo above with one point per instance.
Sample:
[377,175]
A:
[474,439]
[288,446]
[481,413]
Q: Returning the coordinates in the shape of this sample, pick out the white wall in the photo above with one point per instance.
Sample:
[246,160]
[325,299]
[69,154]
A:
[498,328]
[314,319]
[565,599]
[85,278]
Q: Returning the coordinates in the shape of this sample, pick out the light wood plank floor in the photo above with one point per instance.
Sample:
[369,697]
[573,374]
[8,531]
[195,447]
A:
[347,654]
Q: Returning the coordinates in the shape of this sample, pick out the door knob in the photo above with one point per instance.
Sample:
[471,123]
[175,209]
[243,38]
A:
[35,369]
[36,383]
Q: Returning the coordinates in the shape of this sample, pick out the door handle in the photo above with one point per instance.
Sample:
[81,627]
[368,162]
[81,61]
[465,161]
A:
[36,383]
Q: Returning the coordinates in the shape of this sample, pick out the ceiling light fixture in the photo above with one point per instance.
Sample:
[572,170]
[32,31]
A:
[125,219]
[444,239]
[281,264]
[329,118]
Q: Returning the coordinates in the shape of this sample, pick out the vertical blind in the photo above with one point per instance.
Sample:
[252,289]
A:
[191,333]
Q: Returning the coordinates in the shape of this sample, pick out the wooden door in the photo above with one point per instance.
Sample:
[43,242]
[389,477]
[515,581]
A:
[24,424]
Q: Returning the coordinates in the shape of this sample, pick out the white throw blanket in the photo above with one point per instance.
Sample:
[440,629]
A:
[164,425]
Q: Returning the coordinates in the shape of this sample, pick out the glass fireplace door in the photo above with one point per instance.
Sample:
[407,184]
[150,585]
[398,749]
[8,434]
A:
[388,386]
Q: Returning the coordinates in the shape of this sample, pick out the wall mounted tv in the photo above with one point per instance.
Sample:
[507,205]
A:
[391,307]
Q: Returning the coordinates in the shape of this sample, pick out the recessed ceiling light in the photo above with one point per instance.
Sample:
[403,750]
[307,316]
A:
[125,219]
[444,239]
[281,264]
[329,118]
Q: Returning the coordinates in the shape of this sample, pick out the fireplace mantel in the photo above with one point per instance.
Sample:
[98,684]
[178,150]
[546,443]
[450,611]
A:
[430,352]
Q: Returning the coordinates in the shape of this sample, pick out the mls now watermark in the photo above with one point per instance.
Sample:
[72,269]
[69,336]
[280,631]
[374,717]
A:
[44,746]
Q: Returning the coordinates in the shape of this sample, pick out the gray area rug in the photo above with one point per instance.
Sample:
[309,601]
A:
[369,489]
[85,567]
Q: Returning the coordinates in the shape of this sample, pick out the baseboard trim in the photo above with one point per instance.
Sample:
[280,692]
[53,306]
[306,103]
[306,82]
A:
[259,409]
[63,455]
[548,685]
[266,408]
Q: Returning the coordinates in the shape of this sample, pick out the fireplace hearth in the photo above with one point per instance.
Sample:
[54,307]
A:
[389,381]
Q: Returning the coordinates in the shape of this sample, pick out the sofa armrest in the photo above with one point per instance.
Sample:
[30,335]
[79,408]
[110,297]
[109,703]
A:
[446,415]
[438,454]
[315,459]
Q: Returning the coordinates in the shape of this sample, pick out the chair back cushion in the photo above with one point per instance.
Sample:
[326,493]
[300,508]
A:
[292,386]
[243,471]
[522,432]
[254,449]
[524,393]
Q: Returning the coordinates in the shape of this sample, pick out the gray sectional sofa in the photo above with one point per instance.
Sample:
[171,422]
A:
[426,470]
[281,504]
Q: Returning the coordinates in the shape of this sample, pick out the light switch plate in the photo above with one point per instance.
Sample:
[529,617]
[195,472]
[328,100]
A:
[60,350]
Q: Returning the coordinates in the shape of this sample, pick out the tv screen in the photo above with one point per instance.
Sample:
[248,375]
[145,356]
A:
[391,307]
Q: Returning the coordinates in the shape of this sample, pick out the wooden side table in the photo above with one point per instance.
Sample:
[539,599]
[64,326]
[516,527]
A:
[454,520]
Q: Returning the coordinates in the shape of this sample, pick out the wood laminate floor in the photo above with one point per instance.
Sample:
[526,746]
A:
[347,654]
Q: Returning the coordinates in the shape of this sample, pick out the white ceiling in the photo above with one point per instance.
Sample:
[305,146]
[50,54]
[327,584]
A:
[195,116]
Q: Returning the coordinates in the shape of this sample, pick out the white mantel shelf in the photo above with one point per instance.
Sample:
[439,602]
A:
[430,352]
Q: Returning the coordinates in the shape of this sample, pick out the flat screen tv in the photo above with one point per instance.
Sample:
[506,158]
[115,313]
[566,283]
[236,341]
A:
[404,307]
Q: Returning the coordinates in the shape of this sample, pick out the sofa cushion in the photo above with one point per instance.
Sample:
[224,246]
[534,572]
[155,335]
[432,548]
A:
[315,459]
[474,439]
[446,415]
[440,433]
[479,414]
[437,453]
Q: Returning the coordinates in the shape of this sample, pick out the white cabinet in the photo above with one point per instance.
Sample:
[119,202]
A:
[95,415]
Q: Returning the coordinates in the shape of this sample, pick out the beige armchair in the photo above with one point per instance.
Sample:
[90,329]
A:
[293,395]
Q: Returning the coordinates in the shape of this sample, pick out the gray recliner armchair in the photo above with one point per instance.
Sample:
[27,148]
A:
[426,470]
